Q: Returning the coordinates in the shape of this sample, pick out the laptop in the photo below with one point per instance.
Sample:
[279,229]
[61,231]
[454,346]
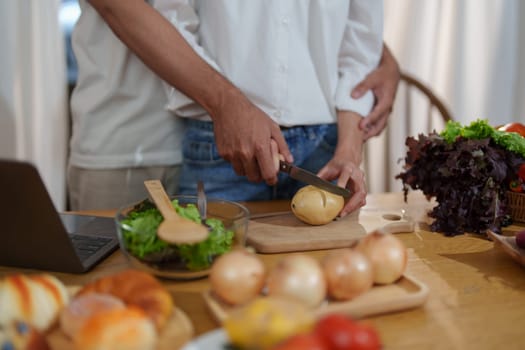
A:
[34,235]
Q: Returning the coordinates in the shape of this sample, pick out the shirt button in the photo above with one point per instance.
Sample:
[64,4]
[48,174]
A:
[277,114]
[285,21]
[282,68]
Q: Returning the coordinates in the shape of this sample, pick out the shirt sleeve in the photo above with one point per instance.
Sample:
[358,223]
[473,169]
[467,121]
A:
[360,53]
[182,15]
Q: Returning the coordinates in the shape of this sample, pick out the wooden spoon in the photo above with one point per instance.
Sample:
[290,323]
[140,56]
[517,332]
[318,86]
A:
[174,228]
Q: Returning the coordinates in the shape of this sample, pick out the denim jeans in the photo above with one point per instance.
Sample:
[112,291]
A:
[312,147]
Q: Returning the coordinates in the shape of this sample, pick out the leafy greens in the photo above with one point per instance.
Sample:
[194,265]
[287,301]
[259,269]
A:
[467,169]
[139,231]
[481,129]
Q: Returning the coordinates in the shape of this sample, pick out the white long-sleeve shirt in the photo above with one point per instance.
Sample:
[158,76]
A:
[297,60]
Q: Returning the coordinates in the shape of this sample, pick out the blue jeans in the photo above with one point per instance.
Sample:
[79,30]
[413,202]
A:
[312,147]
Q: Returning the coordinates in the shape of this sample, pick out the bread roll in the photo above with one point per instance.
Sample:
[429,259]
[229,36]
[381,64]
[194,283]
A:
[117,329]
[35,299]
[75,314]
[136,288]
[21,336]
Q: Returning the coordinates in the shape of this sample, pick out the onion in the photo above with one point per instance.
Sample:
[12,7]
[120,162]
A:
[299,277]
[237,276]
[387,254]
[348,273]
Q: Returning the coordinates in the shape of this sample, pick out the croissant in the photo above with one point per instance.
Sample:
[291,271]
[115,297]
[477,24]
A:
[138,289]
[117,329]
[35,299]
[82,307]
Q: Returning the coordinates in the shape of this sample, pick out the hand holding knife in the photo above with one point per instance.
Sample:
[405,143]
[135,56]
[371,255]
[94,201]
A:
[306,176]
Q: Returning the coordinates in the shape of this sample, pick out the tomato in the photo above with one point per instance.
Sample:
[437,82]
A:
[341,333]
[335,330]
[514,127]
[366,338]
[521,172]
[302,341]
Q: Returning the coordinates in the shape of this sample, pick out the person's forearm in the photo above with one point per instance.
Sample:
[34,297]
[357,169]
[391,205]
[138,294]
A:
[165,51]
[350,137]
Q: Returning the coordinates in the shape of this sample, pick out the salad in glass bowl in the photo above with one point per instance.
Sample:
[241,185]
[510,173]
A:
[137,231]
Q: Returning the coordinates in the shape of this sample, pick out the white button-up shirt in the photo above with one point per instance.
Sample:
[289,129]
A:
[297,60]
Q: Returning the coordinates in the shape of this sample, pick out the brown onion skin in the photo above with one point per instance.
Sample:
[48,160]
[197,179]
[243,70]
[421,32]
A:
[348,273]
[237,277]
[387,253]
[299,277]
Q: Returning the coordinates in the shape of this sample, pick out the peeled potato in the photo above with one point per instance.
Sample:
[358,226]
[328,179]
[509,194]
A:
[315,206]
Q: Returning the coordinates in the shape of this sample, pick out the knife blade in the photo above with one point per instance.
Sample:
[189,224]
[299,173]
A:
[311,179]
[201,200]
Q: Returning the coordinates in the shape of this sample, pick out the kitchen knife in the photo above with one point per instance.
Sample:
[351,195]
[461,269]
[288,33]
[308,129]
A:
[311,179]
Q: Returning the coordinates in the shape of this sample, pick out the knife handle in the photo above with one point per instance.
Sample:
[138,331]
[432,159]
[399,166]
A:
[277,157]
[284,167]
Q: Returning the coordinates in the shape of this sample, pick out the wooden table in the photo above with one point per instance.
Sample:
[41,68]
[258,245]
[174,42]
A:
[477,292]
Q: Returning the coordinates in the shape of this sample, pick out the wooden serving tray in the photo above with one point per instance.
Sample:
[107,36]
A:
[177,332]
[509,246]
[404,294]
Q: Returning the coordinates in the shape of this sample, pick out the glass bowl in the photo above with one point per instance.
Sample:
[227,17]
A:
[137,226]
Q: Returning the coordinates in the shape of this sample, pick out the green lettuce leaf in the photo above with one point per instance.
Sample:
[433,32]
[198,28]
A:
[481,129]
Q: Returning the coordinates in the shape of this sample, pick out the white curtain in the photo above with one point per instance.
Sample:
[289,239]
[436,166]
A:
[33,90]
[469,52]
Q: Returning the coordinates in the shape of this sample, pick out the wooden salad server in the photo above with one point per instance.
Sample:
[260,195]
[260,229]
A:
[174,229]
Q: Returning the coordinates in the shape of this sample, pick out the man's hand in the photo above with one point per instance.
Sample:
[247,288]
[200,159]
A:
[344,166]
[383,82]
[243,134]
[350,176]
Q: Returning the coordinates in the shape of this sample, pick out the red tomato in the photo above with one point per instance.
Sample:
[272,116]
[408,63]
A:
[366,338]
[302,341]
[341,333]
[336,331]
[521,172]
[514,127]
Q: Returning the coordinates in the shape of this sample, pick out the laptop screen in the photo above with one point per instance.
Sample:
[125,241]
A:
[32,232]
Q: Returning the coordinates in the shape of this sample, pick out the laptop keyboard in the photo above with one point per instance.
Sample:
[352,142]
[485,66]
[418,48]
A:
[87,246]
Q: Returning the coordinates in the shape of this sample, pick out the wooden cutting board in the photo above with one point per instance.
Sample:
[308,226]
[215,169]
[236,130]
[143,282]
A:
[286,233]
[509,246]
